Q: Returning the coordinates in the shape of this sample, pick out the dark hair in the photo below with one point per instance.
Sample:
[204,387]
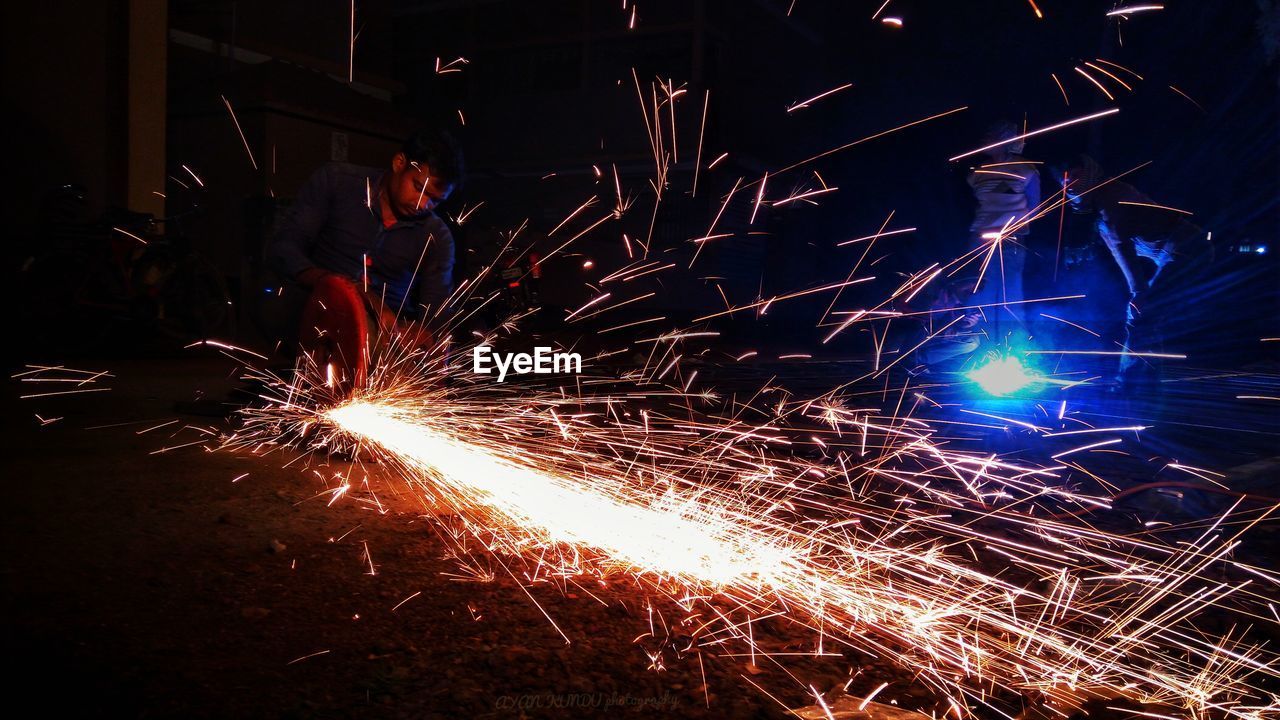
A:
[438,150]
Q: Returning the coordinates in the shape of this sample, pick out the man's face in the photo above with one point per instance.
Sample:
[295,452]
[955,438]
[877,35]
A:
[1073,196]
[1075,187]
[412,189]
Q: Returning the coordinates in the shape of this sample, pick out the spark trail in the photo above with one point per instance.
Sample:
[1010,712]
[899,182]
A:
[885,545]
[865,524]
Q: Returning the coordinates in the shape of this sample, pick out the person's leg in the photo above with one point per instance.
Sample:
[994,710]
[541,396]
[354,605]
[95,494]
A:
[1000,293]
[1137,338]
[1148,314]
[1014,257]
[985,266]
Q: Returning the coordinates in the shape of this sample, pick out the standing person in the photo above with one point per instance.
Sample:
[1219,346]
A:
[1006,187]
[371,228]
[1161,255]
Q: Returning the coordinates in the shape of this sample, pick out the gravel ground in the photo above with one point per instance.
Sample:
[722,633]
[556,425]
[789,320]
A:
[196,584]
[158,584]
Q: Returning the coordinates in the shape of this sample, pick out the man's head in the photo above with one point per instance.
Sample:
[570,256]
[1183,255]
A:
[999,131]
[424,173]
[1079,175]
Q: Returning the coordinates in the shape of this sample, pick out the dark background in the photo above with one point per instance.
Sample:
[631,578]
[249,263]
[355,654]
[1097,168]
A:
[145,583]
[90,91]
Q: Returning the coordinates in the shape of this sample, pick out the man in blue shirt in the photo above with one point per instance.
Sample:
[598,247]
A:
[374,228]
[1006,187]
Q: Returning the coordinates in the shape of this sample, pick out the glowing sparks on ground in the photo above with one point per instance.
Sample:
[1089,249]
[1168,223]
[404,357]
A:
[862,523]
[82,381]
[564,509]
[886,543]
[705,509]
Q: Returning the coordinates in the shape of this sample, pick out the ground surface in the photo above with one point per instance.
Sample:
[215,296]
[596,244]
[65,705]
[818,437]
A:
[197,584]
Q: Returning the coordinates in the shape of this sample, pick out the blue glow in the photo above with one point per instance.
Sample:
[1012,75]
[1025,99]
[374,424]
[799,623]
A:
[1002,376]
[1261,249]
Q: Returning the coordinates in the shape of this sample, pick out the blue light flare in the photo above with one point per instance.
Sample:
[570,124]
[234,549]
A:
[1002,376]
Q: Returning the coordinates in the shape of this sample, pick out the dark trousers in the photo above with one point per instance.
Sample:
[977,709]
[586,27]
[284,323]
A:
[1002,283]
[1175,309]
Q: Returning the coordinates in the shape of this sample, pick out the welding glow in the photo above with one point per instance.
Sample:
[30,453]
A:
[1002,376]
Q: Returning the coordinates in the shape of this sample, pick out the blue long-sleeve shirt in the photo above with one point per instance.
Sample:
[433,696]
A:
[1006,193]
[335,224]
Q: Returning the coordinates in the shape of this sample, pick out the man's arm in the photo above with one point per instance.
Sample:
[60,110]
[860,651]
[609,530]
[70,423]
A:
[289,252]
